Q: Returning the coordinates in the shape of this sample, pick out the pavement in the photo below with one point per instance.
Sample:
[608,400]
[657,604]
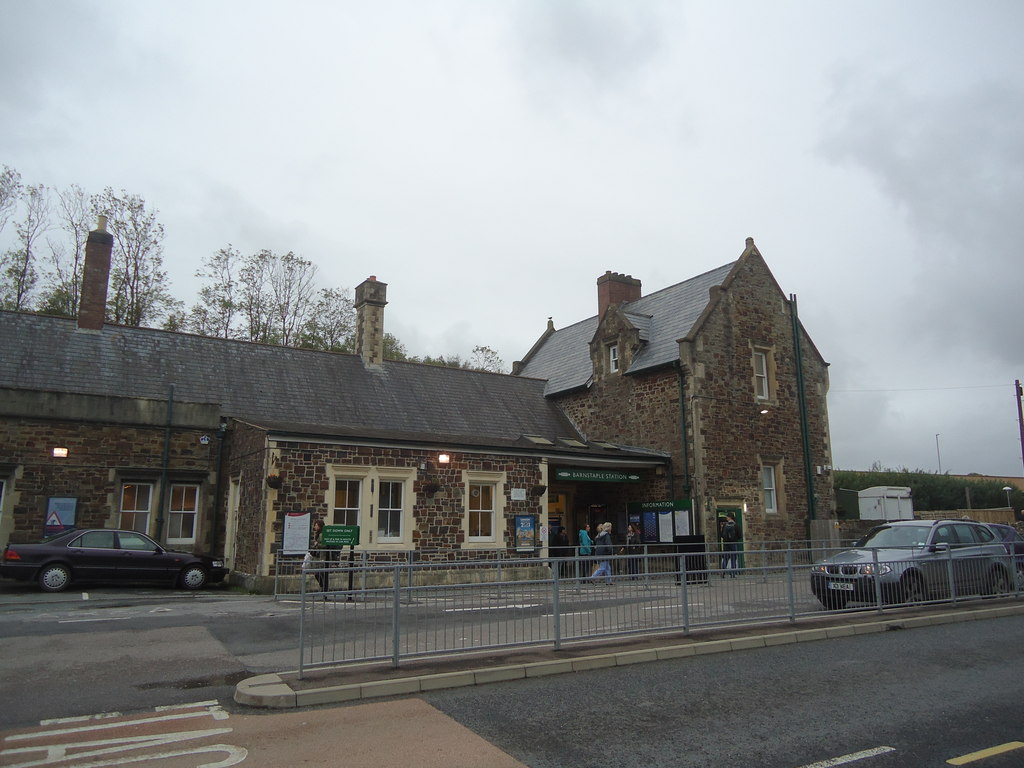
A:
[363,682]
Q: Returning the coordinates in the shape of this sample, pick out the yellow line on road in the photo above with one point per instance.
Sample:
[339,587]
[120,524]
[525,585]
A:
[984,753]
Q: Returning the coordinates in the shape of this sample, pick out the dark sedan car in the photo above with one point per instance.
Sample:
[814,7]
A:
[104,554]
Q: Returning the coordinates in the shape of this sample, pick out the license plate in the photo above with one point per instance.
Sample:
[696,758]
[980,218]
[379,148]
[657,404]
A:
[842,586]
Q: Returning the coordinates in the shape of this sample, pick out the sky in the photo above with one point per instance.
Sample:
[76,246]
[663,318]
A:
[490,159]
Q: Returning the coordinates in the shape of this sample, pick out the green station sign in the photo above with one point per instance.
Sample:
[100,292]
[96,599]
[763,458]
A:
[340,535]
[597,476]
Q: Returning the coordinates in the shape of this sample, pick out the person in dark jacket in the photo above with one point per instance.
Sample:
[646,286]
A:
[604,549]
[561,550]
[731,536]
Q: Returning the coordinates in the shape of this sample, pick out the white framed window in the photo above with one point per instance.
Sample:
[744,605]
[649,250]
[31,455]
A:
[769,490]
[762,383]
[481,512]
[483,519]
[390,511]
[182,513]
[379,500]
[136,504]
[613,358]
[347,496]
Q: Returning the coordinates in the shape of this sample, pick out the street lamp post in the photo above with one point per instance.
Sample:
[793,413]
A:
[1008,489]
[938,455]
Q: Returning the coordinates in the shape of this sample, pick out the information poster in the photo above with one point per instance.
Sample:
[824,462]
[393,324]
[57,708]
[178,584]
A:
[662,521]
[526,532]
[296,533]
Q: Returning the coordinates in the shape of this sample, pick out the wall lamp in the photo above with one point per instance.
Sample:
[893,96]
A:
[443,458]
[60,453]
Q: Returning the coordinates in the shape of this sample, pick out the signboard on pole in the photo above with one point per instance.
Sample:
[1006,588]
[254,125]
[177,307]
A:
[340,535]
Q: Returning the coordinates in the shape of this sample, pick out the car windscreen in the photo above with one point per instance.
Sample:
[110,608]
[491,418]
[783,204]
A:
[897,536]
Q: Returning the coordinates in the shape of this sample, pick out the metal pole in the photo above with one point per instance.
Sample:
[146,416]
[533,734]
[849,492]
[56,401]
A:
[395,619]
[938,455]
[302,622]
[1020,415]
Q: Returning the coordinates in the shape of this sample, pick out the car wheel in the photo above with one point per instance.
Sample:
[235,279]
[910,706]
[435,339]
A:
[998,582]
[193,577]
[912,589]
[54,578]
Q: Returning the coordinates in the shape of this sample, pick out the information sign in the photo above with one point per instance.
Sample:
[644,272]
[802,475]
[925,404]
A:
[597,475]
[340,535]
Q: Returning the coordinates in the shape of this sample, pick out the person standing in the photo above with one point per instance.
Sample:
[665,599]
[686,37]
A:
[562,550]
[316,547]
[634,543]
[604,549]
[731,536]
[586,546]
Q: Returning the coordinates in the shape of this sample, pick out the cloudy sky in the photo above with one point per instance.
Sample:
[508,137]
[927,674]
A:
[489,159]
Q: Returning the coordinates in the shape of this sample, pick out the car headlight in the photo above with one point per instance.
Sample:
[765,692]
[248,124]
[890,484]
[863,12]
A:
[218,563]
[875,570]
[819,568]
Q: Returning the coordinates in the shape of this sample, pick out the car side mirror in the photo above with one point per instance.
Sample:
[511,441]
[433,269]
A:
[940,546]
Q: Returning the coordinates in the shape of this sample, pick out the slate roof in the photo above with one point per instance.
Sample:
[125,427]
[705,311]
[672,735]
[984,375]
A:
[282,388]
[662,317]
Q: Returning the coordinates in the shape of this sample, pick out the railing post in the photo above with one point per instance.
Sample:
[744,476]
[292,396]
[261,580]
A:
[878,581]
[302,622]
[396,631]
[949,573]
[555,608]
[681,568]
[790,586]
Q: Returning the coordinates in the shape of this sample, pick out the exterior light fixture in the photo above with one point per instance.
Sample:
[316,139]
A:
[60,453]
[763,411]
[443,458]
[1007,489]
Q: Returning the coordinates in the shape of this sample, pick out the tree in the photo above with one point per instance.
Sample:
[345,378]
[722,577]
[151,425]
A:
[138,284]
[10,193]
[216,312]
[331,324]
[486,359]
[63,287]
[291,283]
[17,266]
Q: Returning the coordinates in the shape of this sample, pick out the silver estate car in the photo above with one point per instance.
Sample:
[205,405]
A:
[911,561]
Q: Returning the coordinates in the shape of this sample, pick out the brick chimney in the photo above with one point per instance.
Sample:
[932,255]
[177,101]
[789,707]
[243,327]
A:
[371,297]
[613,288]
[92,304]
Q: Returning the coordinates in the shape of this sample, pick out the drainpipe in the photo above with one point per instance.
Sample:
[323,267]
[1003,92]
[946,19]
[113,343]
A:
[687,489]
[218,486]
[162,503]
[802,401]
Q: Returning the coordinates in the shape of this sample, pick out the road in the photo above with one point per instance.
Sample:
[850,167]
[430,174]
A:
[915,697]
[79,653]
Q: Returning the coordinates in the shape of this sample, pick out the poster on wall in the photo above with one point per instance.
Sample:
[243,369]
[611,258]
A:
[526,532]
[662,521]
[60,514]
[295,539]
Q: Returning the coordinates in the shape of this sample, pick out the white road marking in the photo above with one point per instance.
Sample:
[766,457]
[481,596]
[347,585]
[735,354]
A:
[84,621]
[490,608]
[851,758]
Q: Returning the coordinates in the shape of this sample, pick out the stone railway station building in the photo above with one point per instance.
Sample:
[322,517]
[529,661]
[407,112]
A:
[664,410]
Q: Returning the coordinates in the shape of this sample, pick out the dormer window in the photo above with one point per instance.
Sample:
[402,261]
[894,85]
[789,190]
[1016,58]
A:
[613,358]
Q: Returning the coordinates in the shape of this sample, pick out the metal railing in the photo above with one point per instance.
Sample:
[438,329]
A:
[406,610]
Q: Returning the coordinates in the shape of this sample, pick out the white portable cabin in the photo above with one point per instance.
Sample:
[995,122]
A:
[884,502]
